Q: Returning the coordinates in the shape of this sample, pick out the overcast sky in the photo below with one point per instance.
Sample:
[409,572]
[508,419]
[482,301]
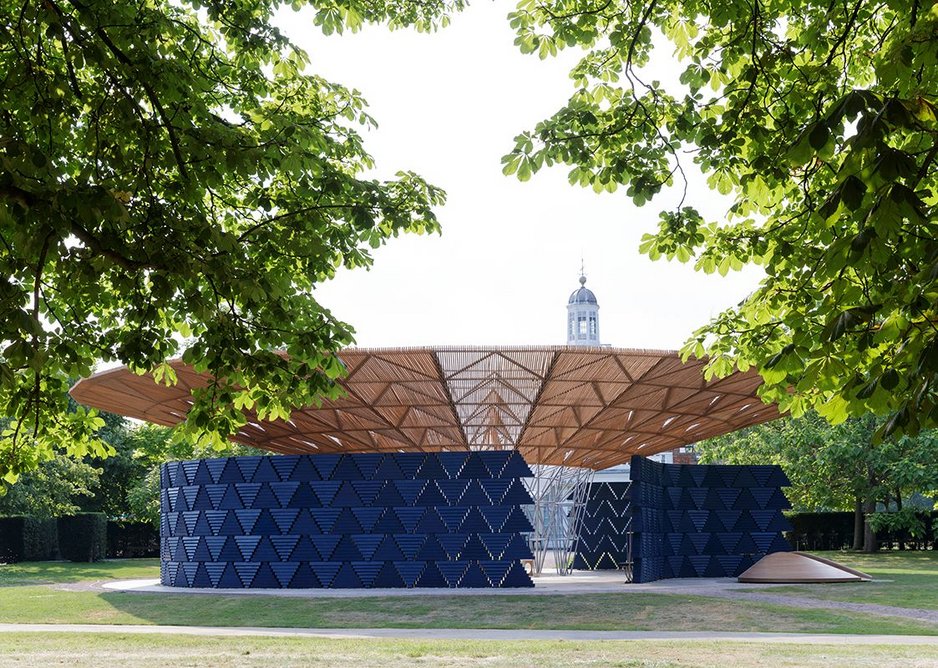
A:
[448,105]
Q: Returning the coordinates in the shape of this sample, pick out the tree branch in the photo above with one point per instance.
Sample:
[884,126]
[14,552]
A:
[154,100]
[95,244]
[843,36]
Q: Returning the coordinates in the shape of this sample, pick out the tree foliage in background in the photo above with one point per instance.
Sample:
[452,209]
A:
[838,467]
[124,486]
[818,120]
[54,488]
[57,486]
[167,170]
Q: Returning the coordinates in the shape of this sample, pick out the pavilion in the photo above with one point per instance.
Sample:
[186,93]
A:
[451,466]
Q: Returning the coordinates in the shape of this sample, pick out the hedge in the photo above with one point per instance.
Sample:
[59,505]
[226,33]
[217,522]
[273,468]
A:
[28,539]
[83,537]
[132,539]
[834,531]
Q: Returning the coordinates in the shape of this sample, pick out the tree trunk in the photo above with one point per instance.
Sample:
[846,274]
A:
[858,524]
[869,538]
[900,535]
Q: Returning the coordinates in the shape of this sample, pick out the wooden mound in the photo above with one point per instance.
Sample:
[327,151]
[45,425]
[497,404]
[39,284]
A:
[800,567]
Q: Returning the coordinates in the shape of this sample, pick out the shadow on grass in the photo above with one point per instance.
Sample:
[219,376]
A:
[60,592]
[51,572]
[629,612]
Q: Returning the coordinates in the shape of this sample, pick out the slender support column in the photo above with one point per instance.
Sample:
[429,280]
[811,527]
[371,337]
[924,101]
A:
[560,494]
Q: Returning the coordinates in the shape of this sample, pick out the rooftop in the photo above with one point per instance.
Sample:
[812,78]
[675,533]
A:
[578,406]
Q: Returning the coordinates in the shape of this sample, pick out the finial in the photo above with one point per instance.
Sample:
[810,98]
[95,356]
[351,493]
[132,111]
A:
[582,272]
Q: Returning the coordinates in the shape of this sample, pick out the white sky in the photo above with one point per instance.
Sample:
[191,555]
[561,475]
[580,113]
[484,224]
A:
[448,105]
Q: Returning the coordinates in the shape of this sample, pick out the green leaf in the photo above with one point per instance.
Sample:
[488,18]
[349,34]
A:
[819,136]
[889,380]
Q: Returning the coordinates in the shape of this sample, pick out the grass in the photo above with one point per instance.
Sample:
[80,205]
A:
[38,604]
[59,572]
[50,592]
[23,649]
[901,579]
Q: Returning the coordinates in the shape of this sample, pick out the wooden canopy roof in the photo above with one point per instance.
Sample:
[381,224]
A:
[592,407]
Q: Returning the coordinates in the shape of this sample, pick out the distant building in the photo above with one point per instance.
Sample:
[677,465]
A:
[685,455]
[583,330]
[582,316]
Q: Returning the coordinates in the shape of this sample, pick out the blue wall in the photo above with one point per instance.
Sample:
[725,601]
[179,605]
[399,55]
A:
[449,519]
[685,520]
[603,541]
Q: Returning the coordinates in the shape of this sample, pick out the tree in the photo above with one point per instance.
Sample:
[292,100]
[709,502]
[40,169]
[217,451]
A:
[836,467]
[118,472]
[169,170]
[52,489]
[818,120]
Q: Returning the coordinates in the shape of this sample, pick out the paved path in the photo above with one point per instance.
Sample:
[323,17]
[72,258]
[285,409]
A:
[599,582]
[479,634]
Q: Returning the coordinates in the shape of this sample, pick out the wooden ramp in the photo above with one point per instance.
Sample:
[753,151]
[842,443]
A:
[800,567]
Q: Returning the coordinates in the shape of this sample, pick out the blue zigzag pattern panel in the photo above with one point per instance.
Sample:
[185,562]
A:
[685,520]
[603,539]
[448,519]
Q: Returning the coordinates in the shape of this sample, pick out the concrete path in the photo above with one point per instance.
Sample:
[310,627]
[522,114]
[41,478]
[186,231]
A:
[598,582]
[478,634]
[581,582]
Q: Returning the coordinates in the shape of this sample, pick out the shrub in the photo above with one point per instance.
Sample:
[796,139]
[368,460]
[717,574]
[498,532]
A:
[132,539]
[11,539]
[905,521]
[821,531]
[40,539]
[27,539]
[912,529]
[83,537]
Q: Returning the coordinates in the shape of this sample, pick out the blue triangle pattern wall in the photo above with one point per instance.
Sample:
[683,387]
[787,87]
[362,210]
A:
[678,520]
[395,520]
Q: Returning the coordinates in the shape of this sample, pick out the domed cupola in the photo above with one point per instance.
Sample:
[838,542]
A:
[582,316]
[582,295]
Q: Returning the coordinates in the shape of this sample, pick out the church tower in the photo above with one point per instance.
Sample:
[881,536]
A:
[582,316]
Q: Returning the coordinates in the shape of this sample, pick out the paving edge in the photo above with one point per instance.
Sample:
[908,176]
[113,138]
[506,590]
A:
[478,634]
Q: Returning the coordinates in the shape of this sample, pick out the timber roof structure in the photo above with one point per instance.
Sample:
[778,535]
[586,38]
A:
[575,406]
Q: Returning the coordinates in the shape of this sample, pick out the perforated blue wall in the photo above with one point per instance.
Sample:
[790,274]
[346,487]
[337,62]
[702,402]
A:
[685,520]
[449,519]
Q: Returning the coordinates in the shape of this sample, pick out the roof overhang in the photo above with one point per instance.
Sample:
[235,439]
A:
[575,406]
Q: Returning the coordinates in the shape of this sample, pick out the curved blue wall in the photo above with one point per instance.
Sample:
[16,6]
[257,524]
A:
[449,519]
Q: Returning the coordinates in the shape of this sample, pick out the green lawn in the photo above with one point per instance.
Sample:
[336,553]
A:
[39,604]
[52,593]
[903,579]
[49,572]
[109,649]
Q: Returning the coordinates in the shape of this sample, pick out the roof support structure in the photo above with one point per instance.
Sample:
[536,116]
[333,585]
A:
[558,405]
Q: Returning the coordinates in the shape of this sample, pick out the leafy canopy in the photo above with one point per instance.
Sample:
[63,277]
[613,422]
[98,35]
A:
[170,169]
[53,489]
[831,467]
[818,120]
